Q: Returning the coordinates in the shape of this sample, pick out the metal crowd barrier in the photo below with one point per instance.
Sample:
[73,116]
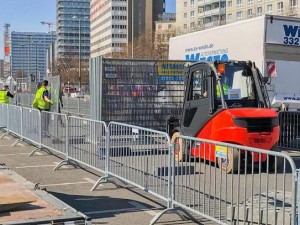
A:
[86,143]
[15,120]
[3,115]
[242,184]
[140,156]
[31,125]
[237,185]
[289,130]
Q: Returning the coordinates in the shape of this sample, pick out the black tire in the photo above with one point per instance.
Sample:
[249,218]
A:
[231,164]
[272,162]
[178,147]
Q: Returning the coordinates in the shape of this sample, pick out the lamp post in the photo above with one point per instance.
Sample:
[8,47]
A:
[79,50]
[29,40]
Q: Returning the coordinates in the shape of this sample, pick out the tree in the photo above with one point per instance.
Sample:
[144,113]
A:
[68,69]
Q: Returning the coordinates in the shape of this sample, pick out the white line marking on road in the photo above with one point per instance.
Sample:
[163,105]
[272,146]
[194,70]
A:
[10,154]
[37,166]
[6,137]
[143,208]
[38,153]
[62,184]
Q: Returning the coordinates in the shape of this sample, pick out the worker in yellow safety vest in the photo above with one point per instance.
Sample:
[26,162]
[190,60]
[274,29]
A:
[42,100]
[5,95]
[225,89]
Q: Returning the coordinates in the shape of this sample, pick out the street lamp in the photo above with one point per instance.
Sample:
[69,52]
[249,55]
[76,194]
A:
[29,40]
[36,58]
[79,50]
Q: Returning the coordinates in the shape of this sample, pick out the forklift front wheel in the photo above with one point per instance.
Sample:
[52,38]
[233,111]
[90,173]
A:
[178,147]
[231,164]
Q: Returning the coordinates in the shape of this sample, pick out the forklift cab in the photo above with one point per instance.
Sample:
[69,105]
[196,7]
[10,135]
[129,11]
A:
[214,86]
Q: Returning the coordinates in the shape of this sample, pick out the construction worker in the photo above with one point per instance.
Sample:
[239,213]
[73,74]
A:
[225,89]
[5,95]
[43,102]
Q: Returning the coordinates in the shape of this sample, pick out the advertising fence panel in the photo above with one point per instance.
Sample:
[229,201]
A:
[289,130]
[137,92]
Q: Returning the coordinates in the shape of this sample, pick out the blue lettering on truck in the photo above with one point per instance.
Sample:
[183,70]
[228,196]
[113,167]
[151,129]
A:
[292,35]
[196,57]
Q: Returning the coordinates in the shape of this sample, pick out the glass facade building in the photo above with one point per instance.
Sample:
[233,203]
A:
[28,53]
[73,28]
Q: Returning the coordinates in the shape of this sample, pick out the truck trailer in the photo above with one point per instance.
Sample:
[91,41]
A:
[272,42]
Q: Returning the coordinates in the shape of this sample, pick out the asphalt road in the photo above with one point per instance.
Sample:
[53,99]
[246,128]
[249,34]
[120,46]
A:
[108,204]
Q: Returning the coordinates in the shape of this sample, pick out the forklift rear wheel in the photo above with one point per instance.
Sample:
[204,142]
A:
[231,164]
[178,147]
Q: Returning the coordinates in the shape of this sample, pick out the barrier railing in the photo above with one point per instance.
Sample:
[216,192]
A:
[141,157]
[234,184]
[289,129]
[229,184]
[15,120]
[86,143]
[3,117]
[31,125]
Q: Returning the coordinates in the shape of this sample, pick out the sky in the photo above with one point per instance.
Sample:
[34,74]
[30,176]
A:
[26,15]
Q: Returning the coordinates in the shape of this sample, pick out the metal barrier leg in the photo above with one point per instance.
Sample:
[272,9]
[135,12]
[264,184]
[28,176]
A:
[106,179]
[39,149]
[66,162]
[6,133]
[174,210]
[16,142]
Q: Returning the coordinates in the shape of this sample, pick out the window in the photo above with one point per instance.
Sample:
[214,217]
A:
[239,3]
[250,13]
[192,14]
[185,15]
[185,26]
[229,17]
[293,4]
[259,11]
[199,85]
[269,9]
[229,4]
[200,9]
[250,2]
[192,25]
[280,7]
[239,15]
[185,4]
[259,1]
[192,2]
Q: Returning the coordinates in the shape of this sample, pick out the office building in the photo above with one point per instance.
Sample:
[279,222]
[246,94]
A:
[73,28]
[28,53]
[112,22]
[194,15]
[165,28]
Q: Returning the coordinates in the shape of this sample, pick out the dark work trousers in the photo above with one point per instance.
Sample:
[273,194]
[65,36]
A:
[45,117]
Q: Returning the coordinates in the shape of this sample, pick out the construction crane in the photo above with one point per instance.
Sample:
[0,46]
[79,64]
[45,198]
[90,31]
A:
[49,25]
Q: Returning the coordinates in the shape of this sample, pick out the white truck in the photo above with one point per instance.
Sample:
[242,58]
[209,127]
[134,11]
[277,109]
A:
[272,42]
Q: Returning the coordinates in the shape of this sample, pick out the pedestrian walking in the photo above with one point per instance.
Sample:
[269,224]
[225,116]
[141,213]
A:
[42,102]
[5,95]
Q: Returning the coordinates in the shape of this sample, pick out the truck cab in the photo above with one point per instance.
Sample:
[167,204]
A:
[226,101]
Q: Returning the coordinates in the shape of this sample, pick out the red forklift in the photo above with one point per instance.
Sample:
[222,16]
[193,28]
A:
[225,101]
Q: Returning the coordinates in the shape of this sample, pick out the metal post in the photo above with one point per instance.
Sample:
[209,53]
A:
[132,31]
[79,66]
[29,39]
[36,64]
[22,61]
